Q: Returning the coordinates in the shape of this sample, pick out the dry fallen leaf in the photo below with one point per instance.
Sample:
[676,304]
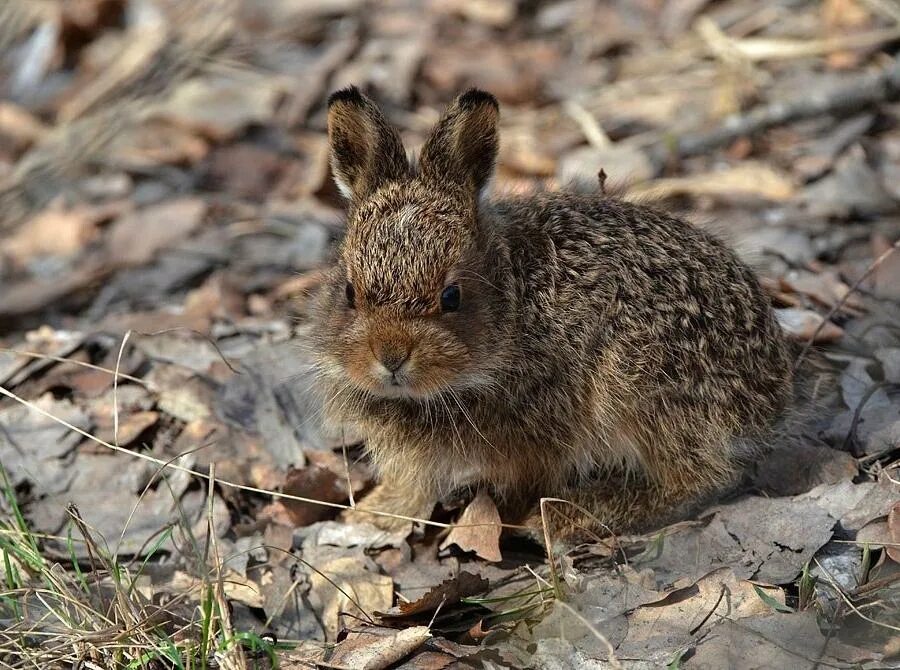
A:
[776,640]
[310,482]
[893,522]
[136,238]
[55,231]
[747,179]
[346,591]
[22,127]
[826,288]
[801,324]
[478,529]
[220,107]
[448,592]
[377,648]
[236,587]
[843,18]
[131,425]
[32,446]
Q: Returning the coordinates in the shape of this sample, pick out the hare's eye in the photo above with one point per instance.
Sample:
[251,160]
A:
[450,298]
[351,295]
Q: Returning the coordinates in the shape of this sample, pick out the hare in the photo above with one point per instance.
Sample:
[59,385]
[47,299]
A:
[554,345]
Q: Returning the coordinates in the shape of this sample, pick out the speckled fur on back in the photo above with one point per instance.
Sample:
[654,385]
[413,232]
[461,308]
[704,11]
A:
[602,352]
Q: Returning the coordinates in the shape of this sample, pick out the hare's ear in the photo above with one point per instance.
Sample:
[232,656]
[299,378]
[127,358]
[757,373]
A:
[366,150]
[462,148]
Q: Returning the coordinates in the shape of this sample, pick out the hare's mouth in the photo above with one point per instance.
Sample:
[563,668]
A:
[402,384]
[411,376]
[397,383]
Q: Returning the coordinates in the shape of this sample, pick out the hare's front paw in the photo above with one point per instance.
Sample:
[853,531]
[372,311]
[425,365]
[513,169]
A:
[390,500]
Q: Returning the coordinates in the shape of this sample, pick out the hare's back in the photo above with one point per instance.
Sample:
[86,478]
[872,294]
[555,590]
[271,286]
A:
[671,304]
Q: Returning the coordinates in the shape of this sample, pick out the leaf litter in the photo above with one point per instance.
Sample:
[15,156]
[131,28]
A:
[164,171]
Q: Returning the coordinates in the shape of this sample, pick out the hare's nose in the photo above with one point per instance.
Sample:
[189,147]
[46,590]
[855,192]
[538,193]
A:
[393,358]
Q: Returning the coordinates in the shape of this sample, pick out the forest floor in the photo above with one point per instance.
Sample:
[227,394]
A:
[166,208]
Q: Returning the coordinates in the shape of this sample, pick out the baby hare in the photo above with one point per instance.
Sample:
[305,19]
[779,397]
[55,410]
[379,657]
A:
[552,345]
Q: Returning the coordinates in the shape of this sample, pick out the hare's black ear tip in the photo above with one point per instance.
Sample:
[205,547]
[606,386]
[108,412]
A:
[475,97]
[350,95]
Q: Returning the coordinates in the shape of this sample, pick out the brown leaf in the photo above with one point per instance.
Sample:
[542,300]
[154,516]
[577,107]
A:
[236,587]
[893,522]
[345,591]
[54,231]
[477,632]
[159,142]
[31,295]
[429,660]
[278,537]
[229,170]
[310,482]
[478,530]
[21,127]
[448,592]
[826,288]
[377,648]
[494,13]
[136,238]
[220,107]
[801,324]
[843,18]
[131,426]
[360,472]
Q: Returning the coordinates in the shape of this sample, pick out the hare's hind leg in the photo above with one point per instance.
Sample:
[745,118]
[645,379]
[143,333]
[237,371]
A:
[670,486]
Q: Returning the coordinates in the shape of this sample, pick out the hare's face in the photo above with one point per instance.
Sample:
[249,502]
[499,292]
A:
[408,306]
[410,303]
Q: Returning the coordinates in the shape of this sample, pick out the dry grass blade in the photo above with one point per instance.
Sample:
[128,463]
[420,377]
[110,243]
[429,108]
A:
[82,364]
[64,616]
[57,616]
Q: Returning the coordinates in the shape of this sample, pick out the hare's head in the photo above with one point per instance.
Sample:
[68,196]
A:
[408,310]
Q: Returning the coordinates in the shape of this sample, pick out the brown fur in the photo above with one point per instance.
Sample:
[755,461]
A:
[602,352]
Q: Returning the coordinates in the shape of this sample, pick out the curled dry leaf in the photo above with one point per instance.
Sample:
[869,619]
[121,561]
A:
[377,648]
[802,324]
[826,288]
[478,529]
[448,592]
